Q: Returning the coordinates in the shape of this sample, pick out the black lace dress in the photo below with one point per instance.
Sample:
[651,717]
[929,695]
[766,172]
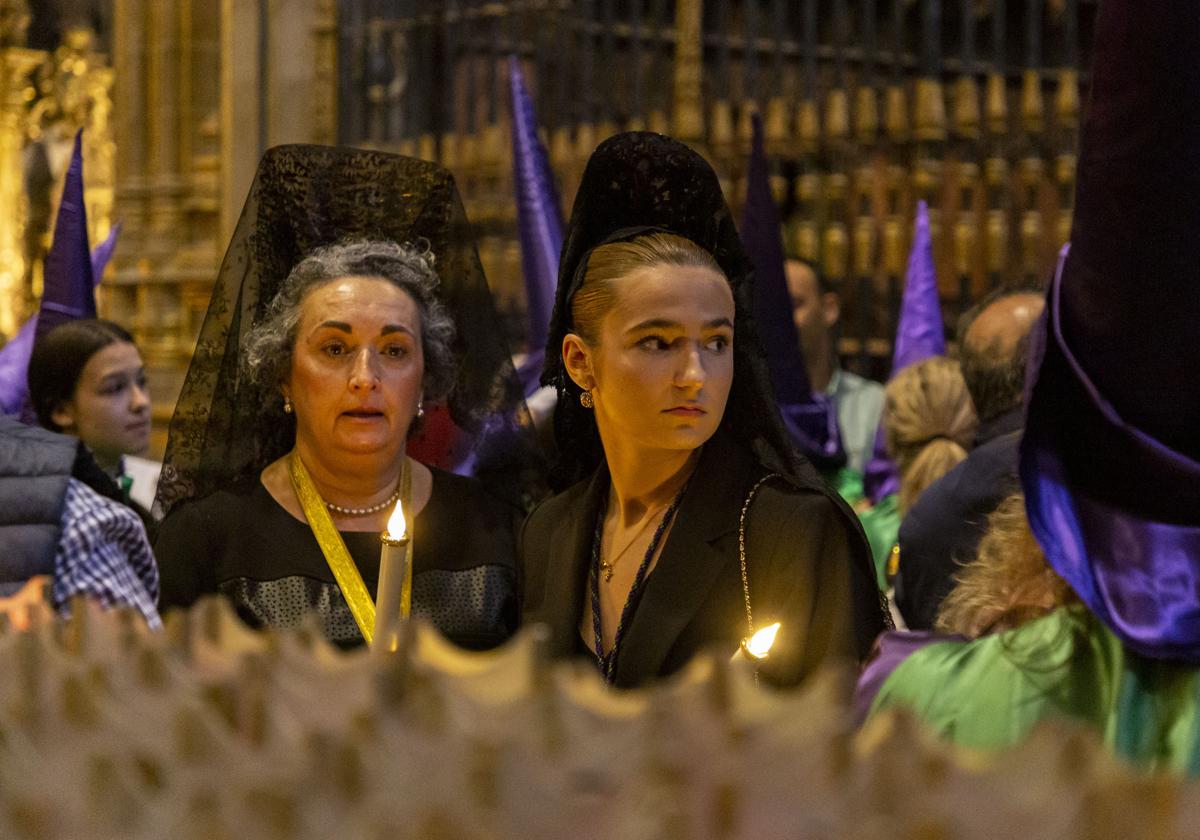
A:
[245,546]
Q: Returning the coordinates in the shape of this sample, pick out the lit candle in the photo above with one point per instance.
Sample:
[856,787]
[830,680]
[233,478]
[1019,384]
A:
[394,595]
[758,646]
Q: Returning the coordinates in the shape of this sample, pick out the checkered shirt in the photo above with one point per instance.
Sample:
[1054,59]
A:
[103,553]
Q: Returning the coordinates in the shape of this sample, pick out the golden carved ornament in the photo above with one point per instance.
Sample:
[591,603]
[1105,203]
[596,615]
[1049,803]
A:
[964,242]
[996,104]
[864,246]
[997,240]
[721,123]
[1033,107]
[836,250]
[779,188]
[966,108]
[895,114]
[866,115]
[1031,240]
[1066,99]
[776,124]
[14,23]
[894,249]
[808,126]
[837,115]
[688,116]
[808,187]
[930,121]
[805,239]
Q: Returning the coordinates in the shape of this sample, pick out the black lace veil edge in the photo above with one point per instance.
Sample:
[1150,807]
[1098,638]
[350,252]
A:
[225,431]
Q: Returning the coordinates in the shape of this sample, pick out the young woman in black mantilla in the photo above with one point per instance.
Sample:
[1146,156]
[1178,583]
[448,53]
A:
[670,441]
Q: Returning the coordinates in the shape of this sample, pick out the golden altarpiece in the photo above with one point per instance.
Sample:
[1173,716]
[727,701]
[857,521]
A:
[46,96]
[869,106]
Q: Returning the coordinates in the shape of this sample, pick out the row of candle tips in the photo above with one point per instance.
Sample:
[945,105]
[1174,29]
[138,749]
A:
[209,729]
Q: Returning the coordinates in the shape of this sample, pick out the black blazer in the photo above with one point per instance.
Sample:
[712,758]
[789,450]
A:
[808,562]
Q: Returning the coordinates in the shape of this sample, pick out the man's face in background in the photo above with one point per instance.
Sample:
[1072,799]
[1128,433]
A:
[814,311]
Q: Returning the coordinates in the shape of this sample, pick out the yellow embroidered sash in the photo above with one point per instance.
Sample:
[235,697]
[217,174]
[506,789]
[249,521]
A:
[334,547]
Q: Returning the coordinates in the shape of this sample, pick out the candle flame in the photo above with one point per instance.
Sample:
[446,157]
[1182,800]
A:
[759,645]
[397,528]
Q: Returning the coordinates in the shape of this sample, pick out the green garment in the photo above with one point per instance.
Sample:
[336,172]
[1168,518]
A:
[847,483]
[882,524]
[989,693]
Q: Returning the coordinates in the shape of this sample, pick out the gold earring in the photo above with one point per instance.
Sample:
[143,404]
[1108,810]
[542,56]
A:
[420,408]
[585,400]
[287,406]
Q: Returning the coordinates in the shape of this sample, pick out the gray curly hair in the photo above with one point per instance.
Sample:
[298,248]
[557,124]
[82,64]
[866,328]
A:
[270,342]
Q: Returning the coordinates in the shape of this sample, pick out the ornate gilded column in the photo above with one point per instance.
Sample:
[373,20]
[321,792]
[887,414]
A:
[929,121]
[688,119]
[898,137]
[163,116]
[996,179]
[16,63]
[1066,109]
[129,65]
[99,152]
[1031,170]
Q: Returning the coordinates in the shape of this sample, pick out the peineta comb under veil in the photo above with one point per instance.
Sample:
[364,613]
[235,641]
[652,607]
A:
[225,430]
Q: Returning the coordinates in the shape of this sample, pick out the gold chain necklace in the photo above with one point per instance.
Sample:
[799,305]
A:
[609,567]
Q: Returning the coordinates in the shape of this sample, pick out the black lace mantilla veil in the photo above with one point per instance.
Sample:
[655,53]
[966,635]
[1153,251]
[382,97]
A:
[641,180]
[224,431]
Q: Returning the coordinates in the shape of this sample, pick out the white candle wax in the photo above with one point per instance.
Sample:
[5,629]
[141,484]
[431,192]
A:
[395,572]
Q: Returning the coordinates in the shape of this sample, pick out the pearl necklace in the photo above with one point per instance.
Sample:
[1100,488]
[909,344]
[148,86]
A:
[365,511]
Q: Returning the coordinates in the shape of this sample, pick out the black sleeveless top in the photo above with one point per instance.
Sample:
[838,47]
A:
[248,548]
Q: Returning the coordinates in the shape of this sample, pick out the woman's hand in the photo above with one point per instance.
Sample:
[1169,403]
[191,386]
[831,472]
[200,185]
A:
[28,605]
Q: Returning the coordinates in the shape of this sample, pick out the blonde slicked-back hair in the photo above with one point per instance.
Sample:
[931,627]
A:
[929,422]
[610,262]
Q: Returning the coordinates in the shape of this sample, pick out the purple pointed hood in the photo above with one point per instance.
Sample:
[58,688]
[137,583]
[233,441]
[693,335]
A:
[1110,460]
[920,334]
[14,356]
[68,288]
[811,419]
[539,222]
[103,252]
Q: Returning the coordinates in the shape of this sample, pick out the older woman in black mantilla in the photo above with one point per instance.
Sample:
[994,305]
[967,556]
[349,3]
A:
[668,432]
[350,305]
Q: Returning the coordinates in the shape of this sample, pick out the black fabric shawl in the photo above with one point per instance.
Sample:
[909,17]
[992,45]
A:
[808,564]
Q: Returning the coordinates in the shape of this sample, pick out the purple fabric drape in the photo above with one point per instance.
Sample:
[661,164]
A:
[1139,576]
[891,650]
[539,222]
[920,334]
[1110,460]
[65,293]
[811,419]
[68,291]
